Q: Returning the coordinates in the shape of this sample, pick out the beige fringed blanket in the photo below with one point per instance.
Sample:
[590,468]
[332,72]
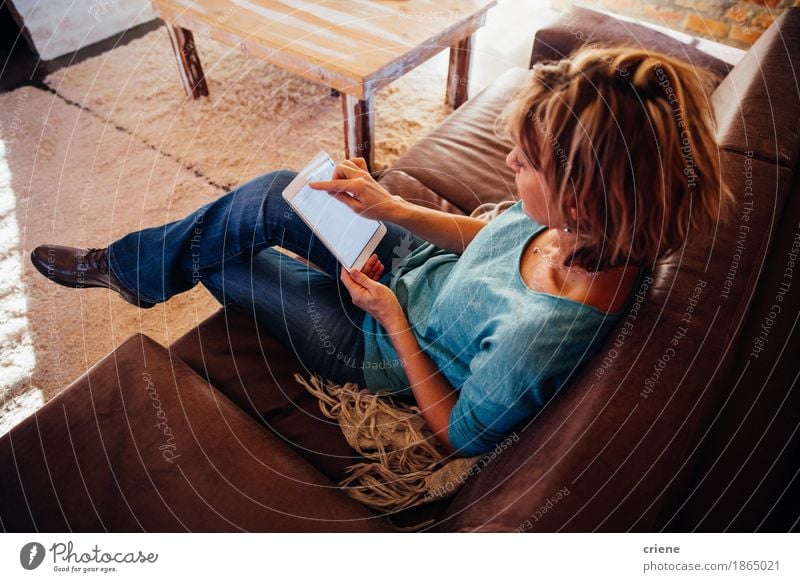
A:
[407,466]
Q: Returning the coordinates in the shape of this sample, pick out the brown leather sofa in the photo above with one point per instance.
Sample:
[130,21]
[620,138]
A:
[686,420]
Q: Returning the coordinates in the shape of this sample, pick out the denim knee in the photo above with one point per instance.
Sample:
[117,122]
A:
[274,182]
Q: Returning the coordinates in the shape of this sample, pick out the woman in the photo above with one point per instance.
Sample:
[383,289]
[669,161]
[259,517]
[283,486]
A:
[481,323]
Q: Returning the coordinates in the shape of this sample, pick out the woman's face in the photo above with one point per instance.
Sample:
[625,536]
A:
[531,188]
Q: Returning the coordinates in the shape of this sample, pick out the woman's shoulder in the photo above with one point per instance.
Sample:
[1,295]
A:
[544,318]
[609,294]
[547,336]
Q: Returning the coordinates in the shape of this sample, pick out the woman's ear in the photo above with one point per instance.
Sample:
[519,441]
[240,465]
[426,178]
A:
[573,213]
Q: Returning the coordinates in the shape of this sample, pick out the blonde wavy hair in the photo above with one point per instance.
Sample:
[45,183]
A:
[626,138]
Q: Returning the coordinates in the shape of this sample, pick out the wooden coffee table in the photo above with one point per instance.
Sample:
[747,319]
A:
[355,47]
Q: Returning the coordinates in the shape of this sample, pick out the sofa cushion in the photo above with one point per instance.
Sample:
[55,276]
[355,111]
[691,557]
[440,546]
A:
[582,26]
[142,443]
[402,184]
[255,371]
[758,104]
[463,160]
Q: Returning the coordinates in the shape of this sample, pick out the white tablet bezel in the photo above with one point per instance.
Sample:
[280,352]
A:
[298,183]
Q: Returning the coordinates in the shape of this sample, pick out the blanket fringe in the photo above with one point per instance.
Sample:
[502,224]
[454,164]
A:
[407,466]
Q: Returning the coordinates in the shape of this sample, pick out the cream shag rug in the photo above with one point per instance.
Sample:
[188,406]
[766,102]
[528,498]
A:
[68,177]
[256,118]
[115,147]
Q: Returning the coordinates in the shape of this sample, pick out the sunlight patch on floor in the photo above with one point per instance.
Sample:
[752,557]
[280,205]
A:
[17,356]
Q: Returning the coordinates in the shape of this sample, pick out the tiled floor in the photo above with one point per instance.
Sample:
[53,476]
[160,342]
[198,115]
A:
[19,65]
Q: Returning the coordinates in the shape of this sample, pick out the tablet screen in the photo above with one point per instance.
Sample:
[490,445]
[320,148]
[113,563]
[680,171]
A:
[343,229]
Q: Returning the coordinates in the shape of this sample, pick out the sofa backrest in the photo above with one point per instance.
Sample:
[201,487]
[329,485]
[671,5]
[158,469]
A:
[756,106]
[617,448]
[750,457]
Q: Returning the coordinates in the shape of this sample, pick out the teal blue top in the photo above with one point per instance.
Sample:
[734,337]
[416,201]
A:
[506,348]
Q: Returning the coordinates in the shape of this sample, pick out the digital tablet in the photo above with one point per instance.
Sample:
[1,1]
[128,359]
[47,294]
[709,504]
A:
[350,237]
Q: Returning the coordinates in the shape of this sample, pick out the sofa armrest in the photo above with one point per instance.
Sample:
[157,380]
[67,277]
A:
[142,443]
[582,26]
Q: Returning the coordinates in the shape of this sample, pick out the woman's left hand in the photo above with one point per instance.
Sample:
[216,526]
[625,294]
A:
[373,297]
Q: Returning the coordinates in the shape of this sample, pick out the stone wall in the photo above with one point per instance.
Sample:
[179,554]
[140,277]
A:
[734,23]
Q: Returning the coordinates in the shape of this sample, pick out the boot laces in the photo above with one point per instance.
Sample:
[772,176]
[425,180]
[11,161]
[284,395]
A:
[98,258]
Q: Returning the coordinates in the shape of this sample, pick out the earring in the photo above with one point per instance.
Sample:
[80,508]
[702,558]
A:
[567,228]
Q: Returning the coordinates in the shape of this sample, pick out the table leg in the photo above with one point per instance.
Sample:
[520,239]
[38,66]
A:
[194,81]
[458,72]
[359,128]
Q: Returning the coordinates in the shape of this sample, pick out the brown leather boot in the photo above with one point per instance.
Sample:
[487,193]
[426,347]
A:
[81,268]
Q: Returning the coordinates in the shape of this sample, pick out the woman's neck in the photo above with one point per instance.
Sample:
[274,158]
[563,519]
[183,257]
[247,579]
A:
[559,246]
[607,290]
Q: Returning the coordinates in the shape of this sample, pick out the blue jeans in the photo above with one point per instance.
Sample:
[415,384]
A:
[225,245]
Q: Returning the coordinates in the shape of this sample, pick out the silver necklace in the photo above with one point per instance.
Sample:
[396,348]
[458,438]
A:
[553,265]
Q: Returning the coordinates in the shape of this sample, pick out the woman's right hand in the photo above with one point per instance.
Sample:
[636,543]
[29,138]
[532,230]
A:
[354,186]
